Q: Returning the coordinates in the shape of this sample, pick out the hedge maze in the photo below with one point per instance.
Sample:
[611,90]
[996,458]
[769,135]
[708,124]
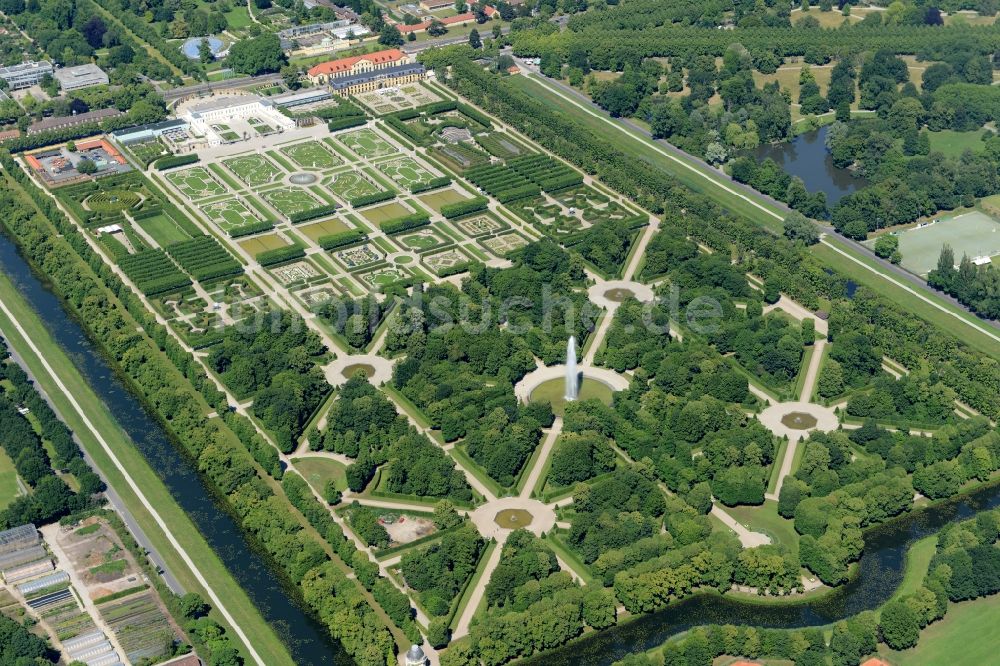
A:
[204,259]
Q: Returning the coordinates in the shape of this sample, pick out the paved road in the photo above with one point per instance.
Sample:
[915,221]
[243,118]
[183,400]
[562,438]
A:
[893,273]
[113,497]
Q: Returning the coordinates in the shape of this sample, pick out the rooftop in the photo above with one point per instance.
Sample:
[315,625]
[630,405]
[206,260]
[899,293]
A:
[345,64]
[78,119]
[26,67]
[80,74]
[388,72]
[224,103]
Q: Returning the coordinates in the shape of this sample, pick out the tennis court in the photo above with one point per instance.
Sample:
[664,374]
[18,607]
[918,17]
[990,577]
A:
[973,233]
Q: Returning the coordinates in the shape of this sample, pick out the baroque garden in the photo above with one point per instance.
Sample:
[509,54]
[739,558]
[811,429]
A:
[357,332]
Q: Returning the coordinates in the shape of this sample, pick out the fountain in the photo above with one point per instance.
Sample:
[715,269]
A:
[572,381]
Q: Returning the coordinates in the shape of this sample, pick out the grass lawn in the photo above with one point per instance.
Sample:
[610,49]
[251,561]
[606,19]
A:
[262,243]
[324,228]
[960,639]
[133,463]
[8,480]
[944,320]
[238,17]
[918,559]
[387,212]
[953,143]
[317,471]
[163,230]
[553,392]
[438,199]
[765,518]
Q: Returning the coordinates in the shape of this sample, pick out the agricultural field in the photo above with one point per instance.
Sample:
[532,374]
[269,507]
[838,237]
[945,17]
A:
[196,183]
[405,172]
[140,625]
[254,170]
[367,143]
[232,216]
[311,155]
[290,200]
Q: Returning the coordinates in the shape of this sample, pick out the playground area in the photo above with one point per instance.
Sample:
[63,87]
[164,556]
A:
[973,233]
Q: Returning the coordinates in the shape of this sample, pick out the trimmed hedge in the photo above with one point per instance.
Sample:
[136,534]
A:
[256,227]
[332,241]
[405,223]
[438,107]
[312,213]
[406,130]
[171,161]
[344,123]
[276,256]
[358,202]
[475,114]
[464,207]
[431,184]
[203,258]
[456,269]
[153,272]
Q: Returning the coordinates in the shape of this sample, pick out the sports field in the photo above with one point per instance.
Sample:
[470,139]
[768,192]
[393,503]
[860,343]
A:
[254,170]
[230,215]
[405,172]
[367,143]
[290,200]
[311,155]
[973,233]
[196,183]
[350,185]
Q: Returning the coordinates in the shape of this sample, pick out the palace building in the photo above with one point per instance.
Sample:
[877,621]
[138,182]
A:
[371,71]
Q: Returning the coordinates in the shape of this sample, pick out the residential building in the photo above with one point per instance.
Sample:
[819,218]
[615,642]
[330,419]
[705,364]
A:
[62,122]
[449,22]
[26,74]
[326,72]
[82,76]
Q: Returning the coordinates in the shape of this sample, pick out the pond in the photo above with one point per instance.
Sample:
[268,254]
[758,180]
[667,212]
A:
[806,156]
[880,572]
[307,641]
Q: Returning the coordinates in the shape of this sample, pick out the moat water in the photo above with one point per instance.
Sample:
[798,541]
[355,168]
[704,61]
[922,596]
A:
[806,156]
[307,641]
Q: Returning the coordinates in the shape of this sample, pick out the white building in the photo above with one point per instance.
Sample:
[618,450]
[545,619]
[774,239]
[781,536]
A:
[26,74]
[83,76]
[227,115]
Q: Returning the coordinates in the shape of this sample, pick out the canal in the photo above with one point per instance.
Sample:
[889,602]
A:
[308,642]
[880,572]
[806,156]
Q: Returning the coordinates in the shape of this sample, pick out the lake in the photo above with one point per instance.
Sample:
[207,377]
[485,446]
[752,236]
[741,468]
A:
[806,156]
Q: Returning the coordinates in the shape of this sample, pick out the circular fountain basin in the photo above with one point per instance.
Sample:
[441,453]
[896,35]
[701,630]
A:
[553,392]
[513,519]
[302,178]
[351,370]
[799,421]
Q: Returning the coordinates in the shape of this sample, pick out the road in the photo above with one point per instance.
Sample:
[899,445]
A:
[776,209]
